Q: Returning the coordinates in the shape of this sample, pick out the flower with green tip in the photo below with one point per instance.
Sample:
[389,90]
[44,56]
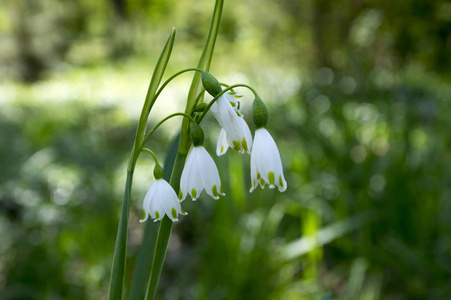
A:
[236,131]
[200,173]
[161,200]
[266,165]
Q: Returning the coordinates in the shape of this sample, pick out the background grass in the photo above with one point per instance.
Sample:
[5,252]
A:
[359,99]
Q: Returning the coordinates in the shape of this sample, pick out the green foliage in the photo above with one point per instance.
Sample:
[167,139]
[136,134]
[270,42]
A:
[358,102]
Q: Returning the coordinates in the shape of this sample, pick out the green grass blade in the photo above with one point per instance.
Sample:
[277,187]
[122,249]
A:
[325,235]
[120,248]
[150,101]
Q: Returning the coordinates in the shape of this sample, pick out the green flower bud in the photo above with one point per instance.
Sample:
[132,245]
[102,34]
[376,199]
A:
[197,135]
[211,84]
[158,172]
[200,107]
[259,113]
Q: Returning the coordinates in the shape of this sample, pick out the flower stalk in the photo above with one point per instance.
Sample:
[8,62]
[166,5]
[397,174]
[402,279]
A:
[184,145]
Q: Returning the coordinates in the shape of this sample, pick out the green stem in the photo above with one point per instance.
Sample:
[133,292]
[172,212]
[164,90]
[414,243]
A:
[184,144]
[117,278]
[164,232]
[151,153]
[120,248]
[164,120]
[174,76]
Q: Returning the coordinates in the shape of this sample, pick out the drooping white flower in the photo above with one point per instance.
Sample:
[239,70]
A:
[200,173]
[266,165]
[161,200]
[238,136]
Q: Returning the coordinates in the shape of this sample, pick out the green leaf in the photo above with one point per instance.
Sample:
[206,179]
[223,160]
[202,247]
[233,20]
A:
[325,235]
[150,96]
[120,248]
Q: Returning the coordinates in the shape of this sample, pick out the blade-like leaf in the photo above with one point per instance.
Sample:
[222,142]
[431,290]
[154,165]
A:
[120,249]
[326,235]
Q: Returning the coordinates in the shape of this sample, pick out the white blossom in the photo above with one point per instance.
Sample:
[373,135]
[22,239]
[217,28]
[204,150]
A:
[266,165]
[200,173]
[161,200]
[238,136]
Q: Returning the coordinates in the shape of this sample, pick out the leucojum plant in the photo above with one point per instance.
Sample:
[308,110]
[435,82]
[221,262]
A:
[193,170]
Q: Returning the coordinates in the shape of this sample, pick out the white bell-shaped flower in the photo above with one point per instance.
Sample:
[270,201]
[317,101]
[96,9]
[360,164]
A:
[238,135]
[161,200]
[200,173]
[266,165]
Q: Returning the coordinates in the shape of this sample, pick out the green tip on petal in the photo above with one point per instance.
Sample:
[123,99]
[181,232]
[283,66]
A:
[271,177]
[220,190]
[194,194]
[215,191]
[280,181]
[262,182]
[244,143]
[236,145]
[174,213]
[144,216]
[157,215]
[211,84]
[259,113]
[180,195]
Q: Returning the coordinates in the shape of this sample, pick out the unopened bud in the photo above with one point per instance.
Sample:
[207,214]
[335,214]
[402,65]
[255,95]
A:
[158,172]
[259,113]
[210,84]
[197,135]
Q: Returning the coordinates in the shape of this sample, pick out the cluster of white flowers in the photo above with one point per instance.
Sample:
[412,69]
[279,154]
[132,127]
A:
[200,172]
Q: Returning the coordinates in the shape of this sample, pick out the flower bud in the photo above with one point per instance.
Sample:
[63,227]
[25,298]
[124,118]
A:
[197,135]
[211,84]
[201,107]
[259,113]
[158,172]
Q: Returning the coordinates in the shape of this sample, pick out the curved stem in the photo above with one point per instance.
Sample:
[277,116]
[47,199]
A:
[153,155]
[174,76]
[146,138]
[231,87]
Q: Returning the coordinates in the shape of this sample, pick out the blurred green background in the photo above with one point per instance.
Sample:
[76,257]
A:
[359,98]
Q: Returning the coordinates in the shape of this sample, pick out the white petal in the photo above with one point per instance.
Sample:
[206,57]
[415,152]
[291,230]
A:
[147,201]
[222,145]
[226,117]
[209,173]
[194,181]
[168,198]
[266,162]
[156,203]
[184,188]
